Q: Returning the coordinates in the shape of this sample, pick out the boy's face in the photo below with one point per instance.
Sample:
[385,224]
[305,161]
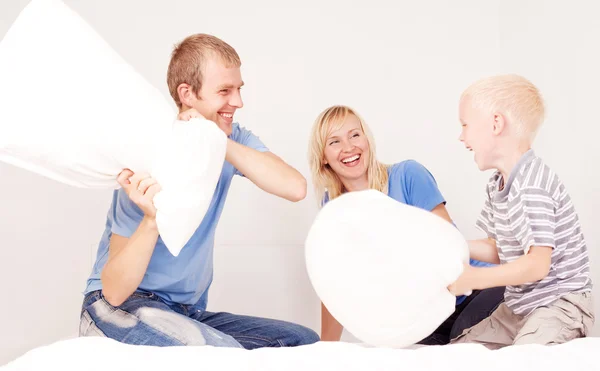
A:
[219,97]
[477,134]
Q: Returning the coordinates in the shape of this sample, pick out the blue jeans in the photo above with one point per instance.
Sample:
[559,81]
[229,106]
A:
[474,309]
[145,319]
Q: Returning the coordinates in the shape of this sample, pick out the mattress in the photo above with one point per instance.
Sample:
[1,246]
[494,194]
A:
[97,353]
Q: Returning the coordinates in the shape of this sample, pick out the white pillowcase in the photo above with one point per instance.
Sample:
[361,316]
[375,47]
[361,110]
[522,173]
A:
[74,111]
[382,267]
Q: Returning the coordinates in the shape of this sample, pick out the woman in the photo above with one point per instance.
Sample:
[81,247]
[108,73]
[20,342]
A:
[342,159]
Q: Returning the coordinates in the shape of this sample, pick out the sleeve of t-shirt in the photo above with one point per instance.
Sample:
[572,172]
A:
[535,208]
[325,199]
[421,189]
[484,221]
[247,138]
[477,263]
[126,215]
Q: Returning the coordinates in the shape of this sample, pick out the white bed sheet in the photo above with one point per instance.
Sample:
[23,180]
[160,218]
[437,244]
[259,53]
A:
[95,353]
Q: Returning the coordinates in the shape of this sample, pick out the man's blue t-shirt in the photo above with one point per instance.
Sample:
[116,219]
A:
[412,184]
[186,278]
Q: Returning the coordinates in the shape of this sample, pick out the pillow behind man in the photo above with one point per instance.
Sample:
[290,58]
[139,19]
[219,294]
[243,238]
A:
[74,111]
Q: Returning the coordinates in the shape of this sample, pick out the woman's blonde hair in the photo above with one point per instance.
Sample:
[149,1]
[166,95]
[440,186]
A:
[325,180]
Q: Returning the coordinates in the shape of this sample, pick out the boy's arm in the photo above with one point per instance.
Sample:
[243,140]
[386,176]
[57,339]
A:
[269,172]
[532,267]
[484,250]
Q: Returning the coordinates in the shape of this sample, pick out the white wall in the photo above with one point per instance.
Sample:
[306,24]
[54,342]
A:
[401,64]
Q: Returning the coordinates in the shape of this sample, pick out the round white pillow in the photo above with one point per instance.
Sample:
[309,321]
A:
[382,267]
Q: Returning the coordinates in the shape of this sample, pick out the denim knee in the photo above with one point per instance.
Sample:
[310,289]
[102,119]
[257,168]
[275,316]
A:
[310,337]
[300,335]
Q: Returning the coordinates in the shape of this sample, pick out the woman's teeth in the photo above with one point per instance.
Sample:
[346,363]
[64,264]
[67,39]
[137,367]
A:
[350,159]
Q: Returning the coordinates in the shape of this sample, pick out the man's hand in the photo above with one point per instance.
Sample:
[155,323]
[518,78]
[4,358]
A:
[141,189]
[189,114]
[464,284]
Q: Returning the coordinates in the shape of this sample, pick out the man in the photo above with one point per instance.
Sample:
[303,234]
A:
[138,293]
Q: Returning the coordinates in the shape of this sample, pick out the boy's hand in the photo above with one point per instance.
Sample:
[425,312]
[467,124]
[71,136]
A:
[464,284]
[189,114]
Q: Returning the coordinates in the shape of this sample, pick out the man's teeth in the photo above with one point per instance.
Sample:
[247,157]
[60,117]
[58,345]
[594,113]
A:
[228,115]
[350,159]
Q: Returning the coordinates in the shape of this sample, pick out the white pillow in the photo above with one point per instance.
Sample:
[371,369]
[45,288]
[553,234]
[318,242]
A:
[382,267]
[74,111]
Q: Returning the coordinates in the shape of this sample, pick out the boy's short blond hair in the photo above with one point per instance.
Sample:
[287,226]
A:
[513,96]
[188,59]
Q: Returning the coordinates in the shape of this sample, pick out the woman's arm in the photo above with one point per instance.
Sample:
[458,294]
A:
[441,211]
[331,329]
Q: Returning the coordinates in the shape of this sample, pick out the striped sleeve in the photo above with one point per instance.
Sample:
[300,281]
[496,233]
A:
[486,217]
[533,211]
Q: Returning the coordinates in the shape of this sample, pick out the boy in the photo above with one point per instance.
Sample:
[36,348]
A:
[138,293]
[532,227]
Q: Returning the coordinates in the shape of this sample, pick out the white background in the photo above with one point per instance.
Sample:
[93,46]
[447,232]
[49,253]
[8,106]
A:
[401,64]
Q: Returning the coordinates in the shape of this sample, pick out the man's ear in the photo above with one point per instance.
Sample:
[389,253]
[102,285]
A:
[499,124]
[186,95]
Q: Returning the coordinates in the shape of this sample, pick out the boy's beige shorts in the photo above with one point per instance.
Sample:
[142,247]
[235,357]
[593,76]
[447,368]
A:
[569,317]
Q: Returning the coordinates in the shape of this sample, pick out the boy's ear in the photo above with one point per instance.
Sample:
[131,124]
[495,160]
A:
[186,96]
[499,123]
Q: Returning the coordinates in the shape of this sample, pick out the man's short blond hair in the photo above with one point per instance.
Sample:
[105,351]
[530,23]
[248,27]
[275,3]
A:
[514,97]
[188,59]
